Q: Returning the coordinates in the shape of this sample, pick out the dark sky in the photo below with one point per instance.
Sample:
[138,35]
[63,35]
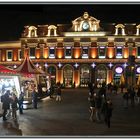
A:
[13,18]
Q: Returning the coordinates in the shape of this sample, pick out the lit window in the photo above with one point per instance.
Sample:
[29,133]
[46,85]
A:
[19,54]
[9,55]
[51,52]
[68,52]
[119,52]
[85,52]
[32,52]
[102,52]
[138,51]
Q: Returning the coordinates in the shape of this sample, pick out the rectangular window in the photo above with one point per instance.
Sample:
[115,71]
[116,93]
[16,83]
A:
[102,52]
[51,52]
[9,55]
[138,50]
[19,54]
[85,52]
[32,52]
[68,52]
[119,52]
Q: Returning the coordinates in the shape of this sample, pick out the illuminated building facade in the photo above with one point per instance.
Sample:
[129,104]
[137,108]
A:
[83,51]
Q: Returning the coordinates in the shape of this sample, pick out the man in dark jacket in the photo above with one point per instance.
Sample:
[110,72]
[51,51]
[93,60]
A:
[34,99]
[5,99]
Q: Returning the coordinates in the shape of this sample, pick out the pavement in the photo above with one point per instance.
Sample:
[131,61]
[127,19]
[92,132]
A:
[70,118]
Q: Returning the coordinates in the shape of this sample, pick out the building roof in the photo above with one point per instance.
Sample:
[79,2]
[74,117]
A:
[27,67]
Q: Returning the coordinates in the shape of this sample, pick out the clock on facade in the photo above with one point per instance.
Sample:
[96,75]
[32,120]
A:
[85,26]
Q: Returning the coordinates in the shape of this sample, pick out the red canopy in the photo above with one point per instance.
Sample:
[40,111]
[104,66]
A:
[5,70]
[27,67]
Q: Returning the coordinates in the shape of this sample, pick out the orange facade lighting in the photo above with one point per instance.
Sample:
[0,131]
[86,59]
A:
[76,78]
[110,52]
[46,53]
[93,52]
[60,52]
[37,53]
[15,54]
[126,52]
[134,52]
[77,52]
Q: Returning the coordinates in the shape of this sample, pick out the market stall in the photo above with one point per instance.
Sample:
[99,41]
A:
[29,78]
[9,80]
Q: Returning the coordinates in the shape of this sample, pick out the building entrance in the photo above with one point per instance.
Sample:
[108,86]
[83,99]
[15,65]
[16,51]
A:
[84,76]
[101,74]
[68,76]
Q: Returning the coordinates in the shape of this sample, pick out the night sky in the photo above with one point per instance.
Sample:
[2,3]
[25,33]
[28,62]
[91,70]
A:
[13,18]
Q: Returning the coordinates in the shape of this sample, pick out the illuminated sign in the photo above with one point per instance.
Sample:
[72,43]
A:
[119,70]
[138,69]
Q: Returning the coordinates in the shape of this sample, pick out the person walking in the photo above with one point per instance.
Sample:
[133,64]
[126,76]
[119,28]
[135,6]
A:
[14,102]
[34,98]
[107,110]
[138,95]
[92,109]
[5,99]
[20,102]
[132,96]
[98,103]
[125,99]
[58,97]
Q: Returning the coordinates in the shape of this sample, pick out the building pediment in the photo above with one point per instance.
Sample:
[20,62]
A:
[86,23]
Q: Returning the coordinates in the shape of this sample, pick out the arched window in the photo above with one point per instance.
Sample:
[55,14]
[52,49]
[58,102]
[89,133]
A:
[120,29]
[101,74]
[32,31]
[52,30]
[84,75]
[68,76]
[138,30]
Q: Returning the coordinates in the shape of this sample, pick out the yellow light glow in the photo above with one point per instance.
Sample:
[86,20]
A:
[110,52]
[85,34]
[126,53]
[45,53]
[37,54]
[93,52]
[3,58]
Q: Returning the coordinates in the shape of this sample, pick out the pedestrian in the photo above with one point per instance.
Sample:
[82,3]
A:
[138,95]
[58,92]
[125,99]
[98,103]
[5,99]
[107,110]
[92,107]
[20,102]
[14,102]
[34,98]
[132,96]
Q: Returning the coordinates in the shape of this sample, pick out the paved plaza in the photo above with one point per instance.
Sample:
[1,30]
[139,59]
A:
[70,117]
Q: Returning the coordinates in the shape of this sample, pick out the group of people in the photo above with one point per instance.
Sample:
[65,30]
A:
[100,105]
[131,94]
[56,89]
[10,103]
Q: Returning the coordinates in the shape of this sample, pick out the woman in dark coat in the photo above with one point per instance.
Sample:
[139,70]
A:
[5,99]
